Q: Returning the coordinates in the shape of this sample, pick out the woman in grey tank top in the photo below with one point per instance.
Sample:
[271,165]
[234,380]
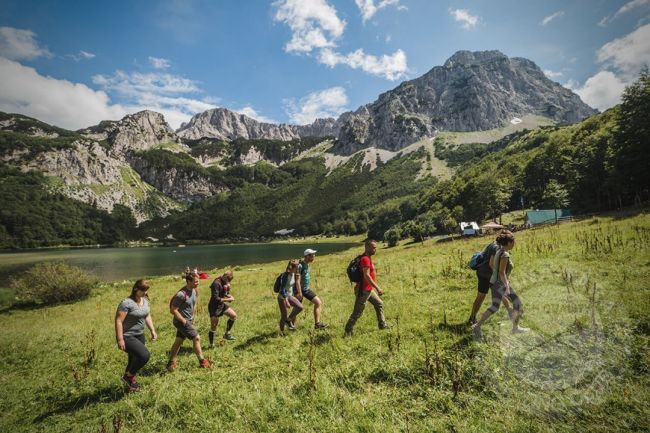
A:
[131,316]
[502,266]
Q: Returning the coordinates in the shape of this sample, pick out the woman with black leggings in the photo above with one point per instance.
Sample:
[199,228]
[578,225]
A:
[131,316]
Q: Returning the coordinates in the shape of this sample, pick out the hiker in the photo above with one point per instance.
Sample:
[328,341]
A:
[219,306]
[132,314]
[483,275]
[501,265]
[182,306]
[364,290]
[286,299]
[303,289]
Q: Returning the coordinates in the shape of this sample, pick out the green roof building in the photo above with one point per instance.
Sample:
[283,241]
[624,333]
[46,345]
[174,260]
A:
[545,216]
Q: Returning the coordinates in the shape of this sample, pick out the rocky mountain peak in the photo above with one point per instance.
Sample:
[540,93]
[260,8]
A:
[468,58]
[137,131]
[224,124]
[472,91]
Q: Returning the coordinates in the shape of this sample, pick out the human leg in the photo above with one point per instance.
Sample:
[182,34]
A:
[360,300]
[214,322]
[138,353]
[232,316]
[376,302]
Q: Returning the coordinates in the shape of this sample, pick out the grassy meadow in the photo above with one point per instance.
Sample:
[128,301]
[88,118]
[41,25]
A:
[585,365]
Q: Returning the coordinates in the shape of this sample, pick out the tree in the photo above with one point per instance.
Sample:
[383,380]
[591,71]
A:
[632,138]
[392,236]
[556,196]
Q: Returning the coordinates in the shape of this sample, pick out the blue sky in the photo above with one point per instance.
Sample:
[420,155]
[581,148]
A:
[75,63]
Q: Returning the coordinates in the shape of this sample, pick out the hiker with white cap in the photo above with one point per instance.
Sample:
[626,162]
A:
[303,289]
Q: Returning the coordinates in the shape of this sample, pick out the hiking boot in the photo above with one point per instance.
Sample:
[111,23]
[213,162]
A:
[171,366]
[290,326]
[471,321]
[229,337]
[130,385]
[321,325]
[384,326]
[204,363]
[520,330]
[347,334]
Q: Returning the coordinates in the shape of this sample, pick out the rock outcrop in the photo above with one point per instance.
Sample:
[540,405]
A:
[224,124]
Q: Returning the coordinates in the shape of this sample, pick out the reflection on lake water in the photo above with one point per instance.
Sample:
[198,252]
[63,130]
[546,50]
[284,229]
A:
[116,264]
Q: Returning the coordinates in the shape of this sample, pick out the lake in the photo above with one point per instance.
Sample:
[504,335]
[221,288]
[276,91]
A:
[116,264]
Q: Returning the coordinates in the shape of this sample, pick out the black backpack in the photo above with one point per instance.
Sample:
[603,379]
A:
[354,270]
[278,282]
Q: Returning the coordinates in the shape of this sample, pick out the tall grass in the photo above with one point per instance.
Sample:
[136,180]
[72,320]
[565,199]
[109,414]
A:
[585,366]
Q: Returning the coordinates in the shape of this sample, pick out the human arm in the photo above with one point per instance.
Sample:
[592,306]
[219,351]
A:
[119,329]
[298,284]
[149,322]
[369,280]
[503,277]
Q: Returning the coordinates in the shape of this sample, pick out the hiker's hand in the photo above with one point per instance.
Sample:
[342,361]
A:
[380,292]
[299,296]
[286,303]
[507,292]
[154,336]
[121,345]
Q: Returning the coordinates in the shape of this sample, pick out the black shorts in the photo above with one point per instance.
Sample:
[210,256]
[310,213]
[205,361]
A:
[217,310]
[308,294]
[483,285]
[185,331]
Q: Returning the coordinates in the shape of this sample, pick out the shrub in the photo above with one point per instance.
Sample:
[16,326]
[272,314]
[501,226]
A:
[53,282]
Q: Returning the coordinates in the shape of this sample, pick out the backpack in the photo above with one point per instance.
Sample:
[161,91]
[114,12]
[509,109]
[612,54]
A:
[354,270]
[172,299]
[278,282]
[476,260]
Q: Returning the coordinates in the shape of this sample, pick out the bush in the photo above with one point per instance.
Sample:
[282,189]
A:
[53,282]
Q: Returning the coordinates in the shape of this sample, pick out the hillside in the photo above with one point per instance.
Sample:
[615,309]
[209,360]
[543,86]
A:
[585,365]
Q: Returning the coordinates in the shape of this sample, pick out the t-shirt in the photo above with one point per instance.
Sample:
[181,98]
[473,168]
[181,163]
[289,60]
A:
[305,275]
[135,316]
[484,270]
[288,284]
[219,290]
[185,302]
[366,262]
[500,255]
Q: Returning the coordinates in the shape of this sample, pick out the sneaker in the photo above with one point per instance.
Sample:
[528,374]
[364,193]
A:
[211,346]
[229,337]
[347,334]
[171,366]
[520,330]
[384,326]
[471,321]
[321,325]
[290,326]
[204,363]
[130,385]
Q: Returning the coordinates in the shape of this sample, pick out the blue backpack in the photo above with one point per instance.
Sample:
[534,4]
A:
[476,260]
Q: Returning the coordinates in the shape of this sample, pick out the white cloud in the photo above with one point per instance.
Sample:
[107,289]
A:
[368,8]
[159,63]
[552,74]
[253,114]
[157,91]
[82,55]
[325,103]
[551,17]
[59,102]
[629,53]
[17,44]
[627,7]
[314,24]
[601,91]
[388,38]
[463,16]
[391,66]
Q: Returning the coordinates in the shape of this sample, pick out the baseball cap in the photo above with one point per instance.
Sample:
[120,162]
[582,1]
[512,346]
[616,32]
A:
[309,251]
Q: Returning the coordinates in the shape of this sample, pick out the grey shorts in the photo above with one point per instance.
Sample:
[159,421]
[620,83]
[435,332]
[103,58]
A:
[308,294]
[498,289]
[185,331]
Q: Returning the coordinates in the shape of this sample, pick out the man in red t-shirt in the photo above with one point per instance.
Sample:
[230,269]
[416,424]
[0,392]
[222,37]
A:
[364,290]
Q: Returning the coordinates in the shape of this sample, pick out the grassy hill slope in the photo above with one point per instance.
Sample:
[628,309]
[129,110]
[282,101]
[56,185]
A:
[585,366]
